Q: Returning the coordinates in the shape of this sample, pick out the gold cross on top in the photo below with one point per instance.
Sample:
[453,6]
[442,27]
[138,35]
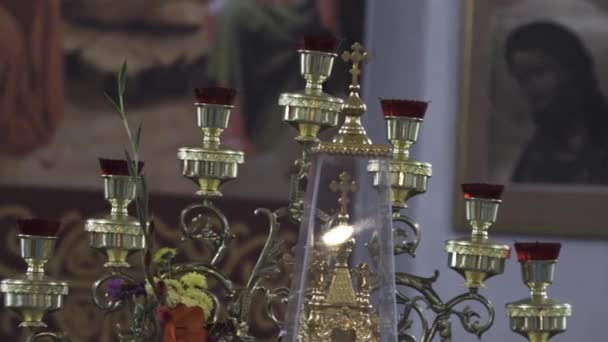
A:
[344,187]
[358,55]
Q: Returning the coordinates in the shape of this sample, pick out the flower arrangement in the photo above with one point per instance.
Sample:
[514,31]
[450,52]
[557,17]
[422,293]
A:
[185,303]
[183,306]
[121,291]
[190,289]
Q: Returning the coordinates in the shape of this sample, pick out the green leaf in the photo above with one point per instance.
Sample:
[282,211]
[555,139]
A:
[132,166]
[122,77]
[138,138]
[144,190]
[114,104]
[122,82]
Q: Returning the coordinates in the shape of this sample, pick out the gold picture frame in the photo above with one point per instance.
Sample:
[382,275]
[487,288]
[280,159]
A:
[529,208]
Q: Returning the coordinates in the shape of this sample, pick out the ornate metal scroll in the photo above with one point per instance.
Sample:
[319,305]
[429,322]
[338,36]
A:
[403,242]
[46,336]
[428,299]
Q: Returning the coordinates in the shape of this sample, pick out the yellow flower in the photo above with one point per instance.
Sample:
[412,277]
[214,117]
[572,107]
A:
[194,279]
[175,292]
[164,254]
[175,286]
[149,289]
[173,298]
[195,297]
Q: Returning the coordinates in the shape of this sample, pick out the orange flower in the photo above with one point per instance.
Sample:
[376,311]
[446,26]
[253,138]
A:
[183,324]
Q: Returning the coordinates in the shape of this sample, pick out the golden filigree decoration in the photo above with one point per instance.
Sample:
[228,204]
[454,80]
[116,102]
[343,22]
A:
[478,250]
[39,289]
[222,156]
[558,311]
[321,103]
[102,226]
[364,150]
[416,168]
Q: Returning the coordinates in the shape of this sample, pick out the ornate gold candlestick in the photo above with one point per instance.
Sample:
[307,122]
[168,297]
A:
[117,234]
[538,318]
[477,258]
[212,164]
[409,177]
[310,111]
[34,294]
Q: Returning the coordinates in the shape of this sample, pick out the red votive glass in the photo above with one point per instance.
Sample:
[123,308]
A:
[482,190]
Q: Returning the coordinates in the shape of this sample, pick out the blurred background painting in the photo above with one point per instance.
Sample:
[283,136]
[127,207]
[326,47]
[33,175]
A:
[55,121]
[547,84]
[57,58]
[537,105]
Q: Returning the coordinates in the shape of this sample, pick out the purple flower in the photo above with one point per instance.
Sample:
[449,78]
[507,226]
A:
[134,290]
[118,289]
[114,289]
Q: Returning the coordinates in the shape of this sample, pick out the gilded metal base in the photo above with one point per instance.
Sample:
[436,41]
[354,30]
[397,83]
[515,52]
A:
[310,112]
[537,317]
[538,320]
[476,261]
[334,306]
[117,236]
[33,295]
[210,168]
[408,179]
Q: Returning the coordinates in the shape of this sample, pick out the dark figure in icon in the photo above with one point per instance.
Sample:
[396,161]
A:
[556,74]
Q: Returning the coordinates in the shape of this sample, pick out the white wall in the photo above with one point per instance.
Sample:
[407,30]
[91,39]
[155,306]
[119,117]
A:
[416,49]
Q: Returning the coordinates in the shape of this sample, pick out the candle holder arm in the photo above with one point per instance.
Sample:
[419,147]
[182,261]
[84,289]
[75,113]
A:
[273,297]
[400,234]
[443,311]
[269,264]
[210,225]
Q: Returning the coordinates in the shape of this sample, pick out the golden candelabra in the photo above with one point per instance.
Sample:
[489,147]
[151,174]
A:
[337,297]
[34,294]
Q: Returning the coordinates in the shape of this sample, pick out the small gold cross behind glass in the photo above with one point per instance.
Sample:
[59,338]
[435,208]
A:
[344,187]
